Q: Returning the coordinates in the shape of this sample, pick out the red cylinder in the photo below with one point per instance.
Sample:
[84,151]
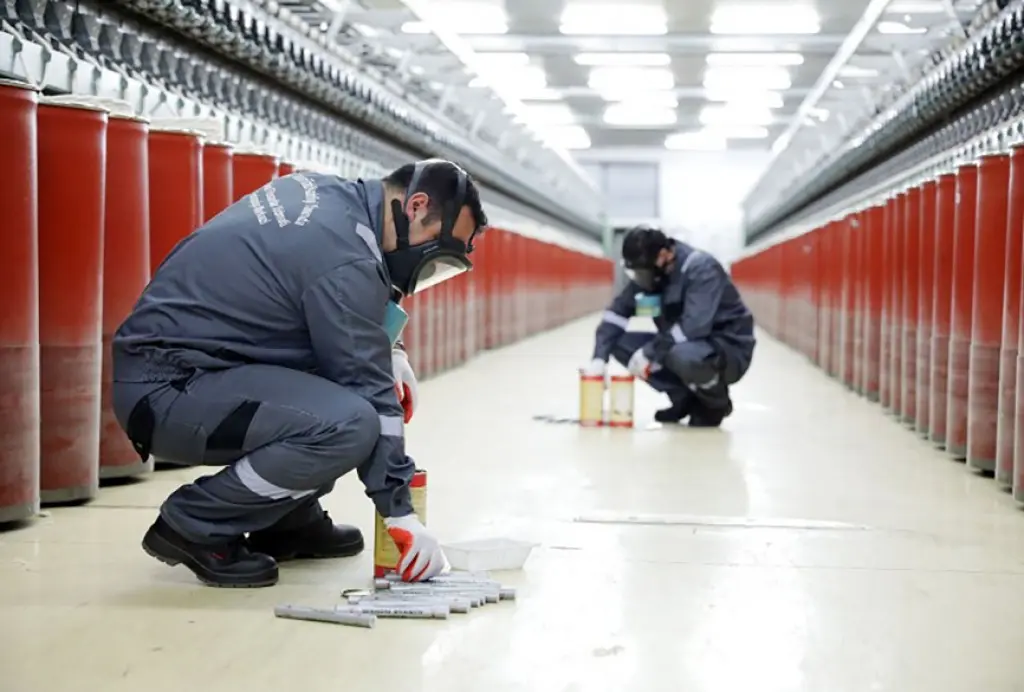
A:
[942,307]
[19,305]
[858,300]
[987,313]
[176,197]
[252,171]
[962,310]
[218,191]
[885,381]
[72,156]
[907,409]
[125,272]
[875,270]
[899,269]
[1018,432]
[285,168]
[824,297]
[1011,321]
[843,314]
[925,302]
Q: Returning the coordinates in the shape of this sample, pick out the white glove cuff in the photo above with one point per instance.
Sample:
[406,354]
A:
[410,522]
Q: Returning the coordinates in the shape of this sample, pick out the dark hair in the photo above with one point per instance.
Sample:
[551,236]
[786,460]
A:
[439,181]
[641,245]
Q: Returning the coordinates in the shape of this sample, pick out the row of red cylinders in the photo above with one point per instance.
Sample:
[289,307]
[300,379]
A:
[93,204]
[519,286]
[915,302]
[97,203]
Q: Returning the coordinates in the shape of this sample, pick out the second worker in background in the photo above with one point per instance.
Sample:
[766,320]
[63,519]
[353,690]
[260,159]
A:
[705,340]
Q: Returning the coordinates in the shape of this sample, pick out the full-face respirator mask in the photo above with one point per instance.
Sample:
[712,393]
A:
[414,268]
[640,250]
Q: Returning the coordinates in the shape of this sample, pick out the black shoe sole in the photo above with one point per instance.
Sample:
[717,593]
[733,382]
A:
[347,550]
[159,548]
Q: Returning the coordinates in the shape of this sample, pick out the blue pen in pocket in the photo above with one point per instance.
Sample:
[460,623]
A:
[395,319]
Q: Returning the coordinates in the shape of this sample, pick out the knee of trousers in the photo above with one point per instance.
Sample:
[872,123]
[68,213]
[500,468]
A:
[334,448]
[691,367]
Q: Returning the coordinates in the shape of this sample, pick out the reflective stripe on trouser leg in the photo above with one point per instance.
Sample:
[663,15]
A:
[259,490]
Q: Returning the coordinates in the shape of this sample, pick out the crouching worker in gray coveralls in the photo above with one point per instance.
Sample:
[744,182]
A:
[705,340]
[261,346]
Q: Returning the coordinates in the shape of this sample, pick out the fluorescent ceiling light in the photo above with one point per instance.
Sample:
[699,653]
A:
[568,137]
[624,114]
[746,98]
[765,19]
[550,114]
[624,18]
[415,28]
[855,72]
[695,141]
[630,79]
[731,115]
[623,59]
[465,18]
[733,78]
[504,59]
[899,28]
[755,59]
[737,132]
[647,99]
[542,94]
[365,30]
[523,79]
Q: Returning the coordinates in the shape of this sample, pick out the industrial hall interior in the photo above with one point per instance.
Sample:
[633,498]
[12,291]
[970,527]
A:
[512,345]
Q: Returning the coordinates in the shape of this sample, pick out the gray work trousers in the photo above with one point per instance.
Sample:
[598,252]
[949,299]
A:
[692,372]
[283,436]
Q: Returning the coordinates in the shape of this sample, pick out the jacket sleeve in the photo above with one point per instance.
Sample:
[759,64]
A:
[614,321]
[706,282]
[344,311]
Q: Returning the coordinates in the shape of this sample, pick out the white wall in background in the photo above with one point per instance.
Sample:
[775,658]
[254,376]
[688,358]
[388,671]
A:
[699,193]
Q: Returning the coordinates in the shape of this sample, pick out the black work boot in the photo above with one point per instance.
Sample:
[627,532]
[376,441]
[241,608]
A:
[230,564]
[705,417]
[319,539]
[679,410]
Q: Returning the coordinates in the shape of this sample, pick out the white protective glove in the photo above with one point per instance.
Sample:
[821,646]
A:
[595,368]
[639,364]
[405,382]
[421,554]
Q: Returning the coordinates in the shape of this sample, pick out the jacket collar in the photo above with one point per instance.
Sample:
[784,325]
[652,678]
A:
[674,290]
[372,192]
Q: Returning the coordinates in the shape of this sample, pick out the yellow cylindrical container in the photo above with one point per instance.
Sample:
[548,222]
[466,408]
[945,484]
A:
[591,400]
[385,552]
[620,393]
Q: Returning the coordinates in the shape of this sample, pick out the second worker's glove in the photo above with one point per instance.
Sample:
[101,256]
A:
[639,364]
[421,554]
[595,368]
[405,382]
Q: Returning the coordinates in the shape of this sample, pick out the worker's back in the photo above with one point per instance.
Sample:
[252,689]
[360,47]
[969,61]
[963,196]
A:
[232,292]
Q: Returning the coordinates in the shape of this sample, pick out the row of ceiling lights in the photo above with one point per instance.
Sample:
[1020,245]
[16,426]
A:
[741,88]
[632,19]
[741,91]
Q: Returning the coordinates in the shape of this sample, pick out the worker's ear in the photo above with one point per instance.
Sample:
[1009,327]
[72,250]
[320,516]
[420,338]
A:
[416,205]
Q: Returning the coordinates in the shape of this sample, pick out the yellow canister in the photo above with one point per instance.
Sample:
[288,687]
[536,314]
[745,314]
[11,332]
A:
[620,393]
[385,552]
[591,400]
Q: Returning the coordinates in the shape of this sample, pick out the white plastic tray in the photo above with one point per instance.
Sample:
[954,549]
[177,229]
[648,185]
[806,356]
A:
[488,554]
